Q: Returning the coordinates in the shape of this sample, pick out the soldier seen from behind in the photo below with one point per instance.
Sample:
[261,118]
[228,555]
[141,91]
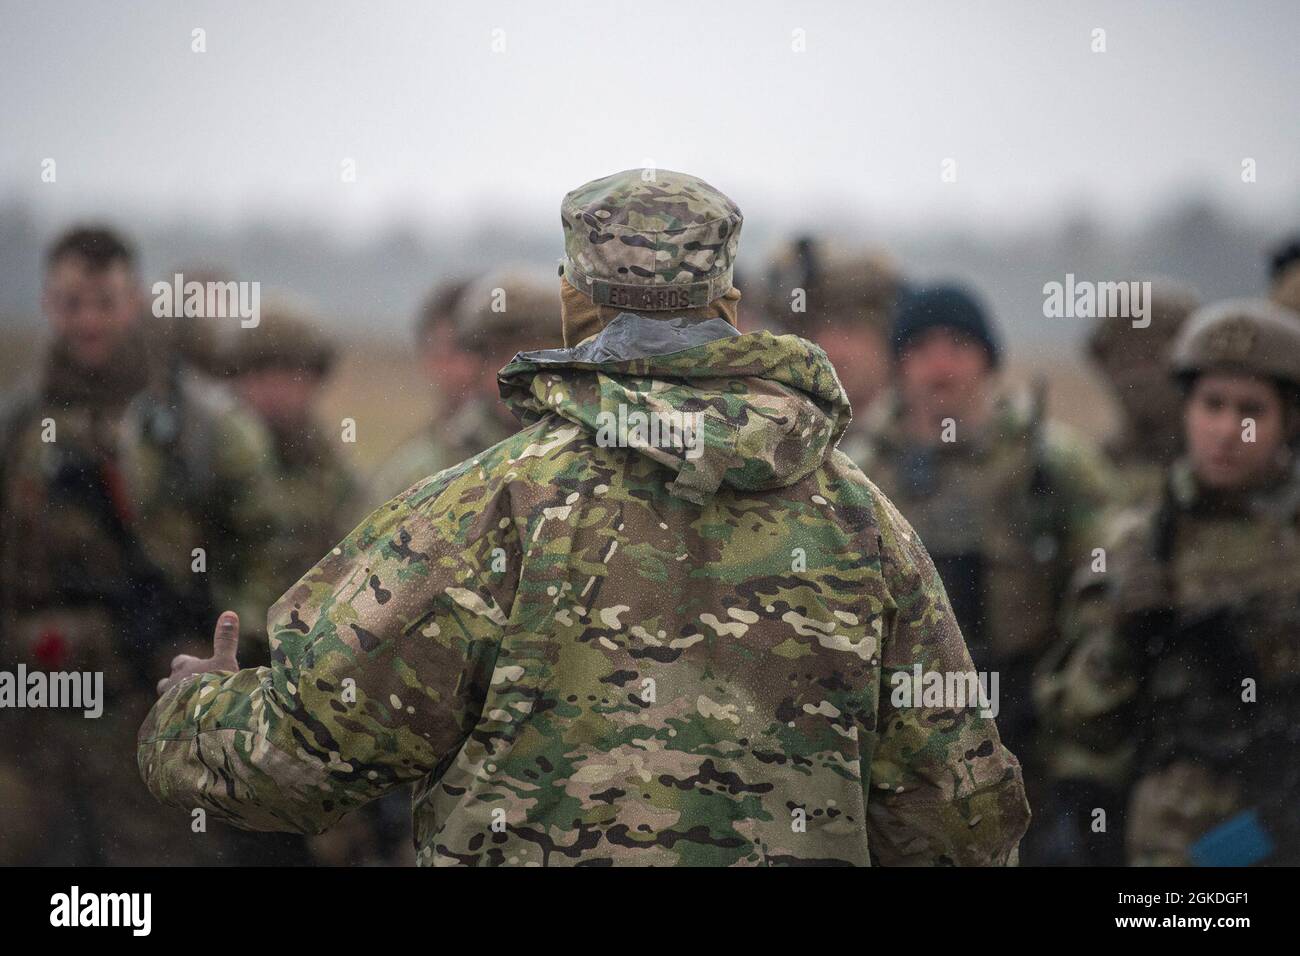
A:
[614,638]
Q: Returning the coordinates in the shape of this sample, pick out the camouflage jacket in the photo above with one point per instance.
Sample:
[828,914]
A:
[676,653]
[471,428]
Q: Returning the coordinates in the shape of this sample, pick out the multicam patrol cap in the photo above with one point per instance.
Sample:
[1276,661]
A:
[650,240]
[1251,335]
[515,304]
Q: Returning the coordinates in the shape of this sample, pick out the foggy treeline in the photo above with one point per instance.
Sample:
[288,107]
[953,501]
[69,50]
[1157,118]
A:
[373,285]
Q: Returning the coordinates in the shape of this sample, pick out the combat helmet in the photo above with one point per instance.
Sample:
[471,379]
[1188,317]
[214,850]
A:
[1254,336]
[287,336]
[439,307]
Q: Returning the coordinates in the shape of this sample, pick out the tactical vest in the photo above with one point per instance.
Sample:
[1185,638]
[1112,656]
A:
[93,572]
[996,531]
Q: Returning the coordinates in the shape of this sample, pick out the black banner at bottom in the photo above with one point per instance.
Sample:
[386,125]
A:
[341,905]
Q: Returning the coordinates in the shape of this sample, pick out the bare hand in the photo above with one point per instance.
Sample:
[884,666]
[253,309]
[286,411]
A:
[225,643]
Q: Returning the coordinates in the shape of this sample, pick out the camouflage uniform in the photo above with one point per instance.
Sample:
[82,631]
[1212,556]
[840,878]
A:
[475,423]
[523,307]
[1201,592]
[591,654]
[97,529]
[423,454]
[1006,513]
[1149,438]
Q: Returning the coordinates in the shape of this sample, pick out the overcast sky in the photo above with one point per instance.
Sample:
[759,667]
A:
[440,126]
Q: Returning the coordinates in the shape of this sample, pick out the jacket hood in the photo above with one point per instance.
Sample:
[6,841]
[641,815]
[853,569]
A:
[753,411]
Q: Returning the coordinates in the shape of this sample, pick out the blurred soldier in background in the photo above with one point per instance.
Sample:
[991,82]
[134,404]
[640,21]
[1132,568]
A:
[590,645]
[1284,274]
[842,299]
[133,503]
[1181,670]
[1130,359]
[453,372]
[201,342]
[473,338]
[279,370]
[510,310]
[1006,502]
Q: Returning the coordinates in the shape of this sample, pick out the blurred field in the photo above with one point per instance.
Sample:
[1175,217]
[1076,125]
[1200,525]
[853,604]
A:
[384,391]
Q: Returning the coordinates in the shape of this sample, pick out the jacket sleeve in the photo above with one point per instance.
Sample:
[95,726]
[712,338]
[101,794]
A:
[381,656]
[943,789]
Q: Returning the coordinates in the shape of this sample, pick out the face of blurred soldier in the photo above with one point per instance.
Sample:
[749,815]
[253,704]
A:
[90,310]
[861,359]
[283,398]
[449,367]
[944,373]
[1213,420]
